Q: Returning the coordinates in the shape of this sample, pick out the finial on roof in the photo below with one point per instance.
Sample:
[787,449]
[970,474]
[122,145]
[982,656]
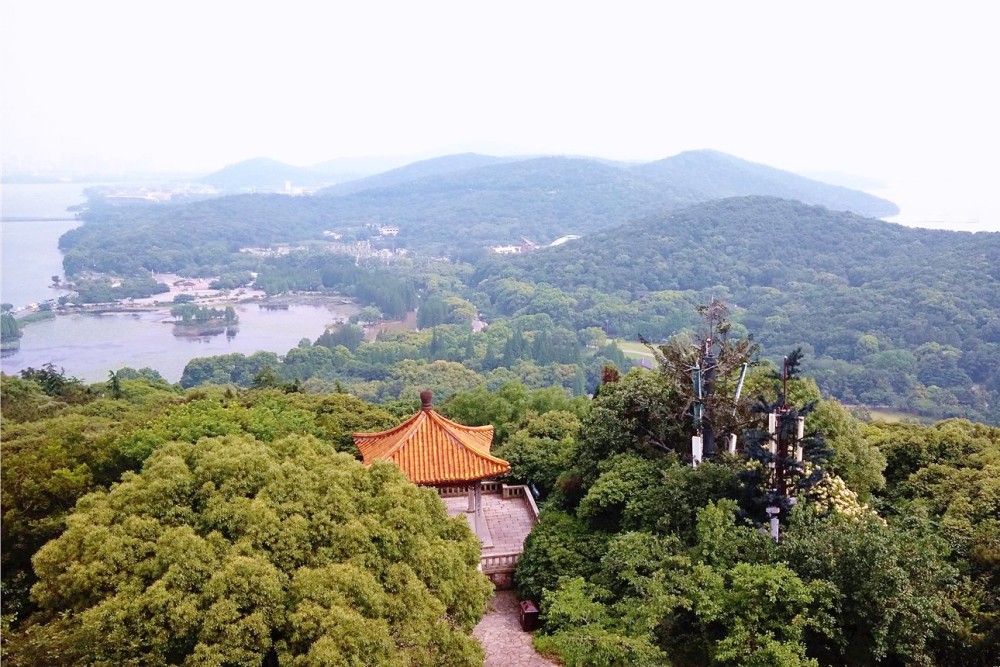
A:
[425,399]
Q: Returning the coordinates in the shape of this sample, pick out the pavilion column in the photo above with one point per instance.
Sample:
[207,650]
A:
[473,503]
[482,528]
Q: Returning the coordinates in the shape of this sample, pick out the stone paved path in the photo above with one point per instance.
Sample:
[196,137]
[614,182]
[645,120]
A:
[505,644]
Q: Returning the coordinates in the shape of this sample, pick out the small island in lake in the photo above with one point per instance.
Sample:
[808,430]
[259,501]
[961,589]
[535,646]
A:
[193,320]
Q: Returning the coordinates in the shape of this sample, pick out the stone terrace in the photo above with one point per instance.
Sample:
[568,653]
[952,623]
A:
[510,514]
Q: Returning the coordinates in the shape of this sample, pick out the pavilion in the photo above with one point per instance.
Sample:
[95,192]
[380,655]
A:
[435,451]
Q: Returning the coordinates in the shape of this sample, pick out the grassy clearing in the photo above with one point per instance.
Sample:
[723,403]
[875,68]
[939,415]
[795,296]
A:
[408,324]
[635,349]
[896,417]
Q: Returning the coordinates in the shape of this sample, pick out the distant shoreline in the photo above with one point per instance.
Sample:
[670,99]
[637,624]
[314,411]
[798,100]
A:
[38,218]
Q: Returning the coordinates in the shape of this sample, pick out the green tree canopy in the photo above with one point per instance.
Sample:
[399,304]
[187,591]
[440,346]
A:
[234,551]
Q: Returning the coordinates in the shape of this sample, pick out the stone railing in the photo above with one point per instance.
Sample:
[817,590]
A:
[447,491]
[495,488]
[499,568]
[495,563]
[488,488]
[514,491]
[522,491]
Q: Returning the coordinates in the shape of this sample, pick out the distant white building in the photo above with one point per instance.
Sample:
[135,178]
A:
[388,231]
[563,239]
[506,249]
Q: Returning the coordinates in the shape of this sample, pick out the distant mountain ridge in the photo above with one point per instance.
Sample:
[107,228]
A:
[694,175]
[719,175]
[267,175]
[760,241]
[262,174]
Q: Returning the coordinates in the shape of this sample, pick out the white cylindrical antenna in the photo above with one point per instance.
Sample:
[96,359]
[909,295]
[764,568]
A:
[800,433]
[772,512]
[772,442]
[739,386]
[732,443]
[696,446]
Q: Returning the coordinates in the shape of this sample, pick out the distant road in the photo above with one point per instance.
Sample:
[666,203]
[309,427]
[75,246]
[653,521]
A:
[38,218]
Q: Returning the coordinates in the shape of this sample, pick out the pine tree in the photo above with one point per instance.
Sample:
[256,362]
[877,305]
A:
[491,360]
[515,349]
[435,348]
[470,347]
[542,349]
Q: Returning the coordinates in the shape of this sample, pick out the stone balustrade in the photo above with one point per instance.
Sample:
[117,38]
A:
[495,563]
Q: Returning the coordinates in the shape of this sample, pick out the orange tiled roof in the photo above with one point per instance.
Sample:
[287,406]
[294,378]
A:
[434,450]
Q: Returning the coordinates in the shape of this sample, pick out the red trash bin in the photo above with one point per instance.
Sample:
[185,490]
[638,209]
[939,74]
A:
[529,615]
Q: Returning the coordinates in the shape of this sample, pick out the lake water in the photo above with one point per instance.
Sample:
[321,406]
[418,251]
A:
[88,346]
[29,255]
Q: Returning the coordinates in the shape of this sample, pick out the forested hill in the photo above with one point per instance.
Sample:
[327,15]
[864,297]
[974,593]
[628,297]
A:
[444,206]
[540,198]
[719,175]
[882,308]
[766,242]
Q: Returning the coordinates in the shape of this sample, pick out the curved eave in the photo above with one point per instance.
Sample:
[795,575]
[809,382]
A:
[432,449]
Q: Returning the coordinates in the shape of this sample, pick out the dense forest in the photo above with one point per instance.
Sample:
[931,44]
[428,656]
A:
[159,527]
[894,317]
[148,524]
[888,557]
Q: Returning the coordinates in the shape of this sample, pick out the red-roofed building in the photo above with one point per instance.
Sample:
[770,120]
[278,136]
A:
[435,451]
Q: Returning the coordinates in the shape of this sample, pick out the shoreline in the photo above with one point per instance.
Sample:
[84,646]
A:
[153,305]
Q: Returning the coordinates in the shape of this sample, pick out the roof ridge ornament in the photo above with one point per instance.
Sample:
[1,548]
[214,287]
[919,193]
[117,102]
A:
[426,399]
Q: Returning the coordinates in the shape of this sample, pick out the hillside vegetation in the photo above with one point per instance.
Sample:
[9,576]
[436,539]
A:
[444,206]
[893,315]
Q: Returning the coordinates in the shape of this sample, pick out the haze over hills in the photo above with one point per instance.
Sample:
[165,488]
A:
[702,175]
[720,175]
[271,175]
[340,175]
[446,164]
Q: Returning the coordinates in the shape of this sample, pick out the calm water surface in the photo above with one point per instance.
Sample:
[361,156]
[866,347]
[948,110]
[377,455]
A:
[88,346]
[29,254]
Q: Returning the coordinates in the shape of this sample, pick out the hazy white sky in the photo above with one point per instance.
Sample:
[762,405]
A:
[904,93]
